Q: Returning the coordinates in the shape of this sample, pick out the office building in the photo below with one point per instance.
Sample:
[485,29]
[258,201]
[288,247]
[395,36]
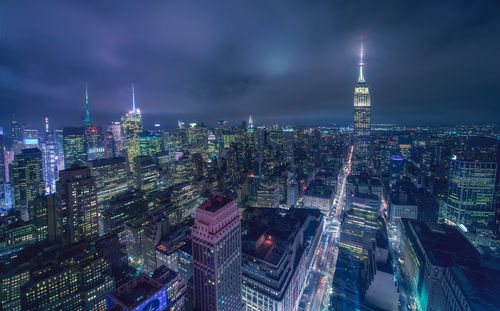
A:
[278,252]
[31,137]
[176,288]
[319,196]
[46,218]
[121,209]
[111,178]
[150,143]
[362,119]
[185,198]
[17,234]
[12,278]
[165,290]
[3,170]
[131,125]
[268,194]
[408,201]
[470,196]
[75,146]
[27,180]
[59,138]
[184,171]
[146,173]
[356,266]
[77,193]
[428,250]
[185,261]
[470,288]
[50,169]
[77,277]
[217,255]
[95,143]
[115,129]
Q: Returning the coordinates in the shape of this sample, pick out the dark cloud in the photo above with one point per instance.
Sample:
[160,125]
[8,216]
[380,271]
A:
[285,61]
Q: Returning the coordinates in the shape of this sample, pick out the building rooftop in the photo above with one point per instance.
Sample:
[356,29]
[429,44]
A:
[107,161]
[479,285]
[270,231]
[317,189]
[133,293]
[215,203]
[444,245]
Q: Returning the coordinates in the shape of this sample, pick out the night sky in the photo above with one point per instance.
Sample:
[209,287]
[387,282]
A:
[286,61]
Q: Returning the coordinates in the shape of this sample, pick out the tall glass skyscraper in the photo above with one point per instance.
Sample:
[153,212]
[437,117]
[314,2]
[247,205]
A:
[470,194]
[362,119]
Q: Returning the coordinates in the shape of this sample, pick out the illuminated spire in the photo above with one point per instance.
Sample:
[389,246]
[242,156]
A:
[87,113]
[361,77]
[250,121]
[133,99]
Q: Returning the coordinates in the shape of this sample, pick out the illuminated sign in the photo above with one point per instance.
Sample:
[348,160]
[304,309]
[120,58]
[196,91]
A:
[31,141]
[156,303]
[397,158]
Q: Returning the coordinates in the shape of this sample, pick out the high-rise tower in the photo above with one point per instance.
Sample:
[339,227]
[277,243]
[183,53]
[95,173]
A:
[471,193]
[75,146]
[131,127]
[27,179]
[250,124]
[217,255]
[88,122]
[362,118]
[77,192]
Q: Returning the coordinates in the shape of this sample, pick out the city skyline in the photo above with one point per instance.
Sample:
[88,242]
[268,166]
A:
[227,156]
[188,62]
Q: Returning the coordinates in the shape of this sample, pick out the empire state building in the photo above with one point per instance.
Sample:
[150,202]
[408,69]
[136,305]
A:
[362,116]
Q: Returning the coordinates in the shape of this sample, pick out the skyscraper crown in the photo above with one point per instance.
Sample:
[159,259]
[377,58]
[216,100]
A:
[361,77]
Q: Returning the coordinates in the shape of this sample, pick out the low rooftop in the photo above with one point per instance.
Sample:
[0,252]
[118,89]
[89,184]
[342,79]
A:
[133,293]
[444,245]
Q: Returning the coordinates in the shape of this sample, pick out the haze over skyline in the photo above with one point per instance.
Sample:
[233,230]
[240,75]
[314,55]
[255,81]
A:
[289,62]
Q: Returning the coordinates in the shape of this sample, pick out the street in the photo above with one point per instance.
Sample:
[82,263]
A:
[316,295]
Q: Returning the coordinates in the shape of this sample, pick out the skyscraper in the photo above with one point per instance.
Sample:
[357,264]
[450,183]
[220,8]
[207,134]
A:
[16,133]
[49,155]
[27,179]
[146,173]
[217,255]
[362,119]
[95,143]
[116,130]
[75,146]
[3,176]
[77,277]
[356,266]
[150,143]
[131,127]
[111,177]
[250,124]
[77,192]
[88,122]
[470,194]
[45,218]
